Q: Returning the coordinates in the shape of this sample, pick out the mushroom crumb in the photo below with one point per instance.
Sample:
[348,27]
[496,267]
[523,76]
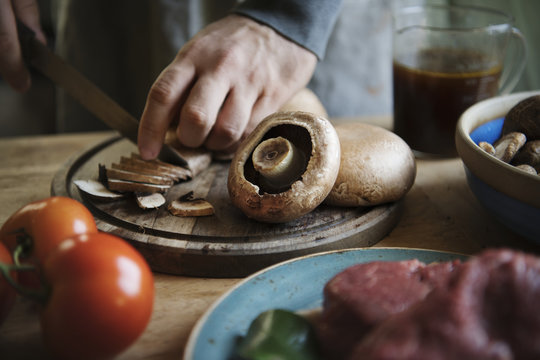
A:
[187,205]
[150,201]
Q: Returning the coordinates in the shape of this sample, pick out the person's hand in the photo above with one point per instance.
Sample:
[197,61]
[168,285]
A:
[12,67]
[221,84]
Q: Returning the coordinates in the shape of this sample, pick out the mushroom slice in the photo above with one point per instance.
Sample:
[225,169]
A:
[186,205]
[285,167]
[136,187]
[198,159]
[150,201]
[508,146]
[181,172]
[118,174]
[143,166]
[377,166]
[97,190]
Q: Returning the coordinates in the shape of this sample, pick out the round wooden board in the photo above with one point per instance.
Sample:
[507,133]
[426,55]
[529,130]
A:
[226,244]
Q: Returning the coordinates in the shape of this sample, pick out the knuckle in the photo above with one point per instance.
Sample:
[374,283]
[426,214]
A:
[228,59]
[163,90]
[227,134]
[194,117]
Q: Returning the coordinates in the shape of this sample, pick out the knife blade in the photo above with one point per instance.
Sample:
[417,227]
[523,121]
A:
[40,57]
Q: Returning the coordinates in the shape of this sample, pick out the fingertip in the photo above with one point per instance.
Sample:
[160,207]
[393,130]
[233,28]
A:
[148,152]
[20,82]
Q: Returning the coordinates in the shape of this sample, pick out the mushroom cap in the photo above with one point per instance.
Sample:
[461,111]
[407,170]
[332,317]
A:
[312,134]
[377,166]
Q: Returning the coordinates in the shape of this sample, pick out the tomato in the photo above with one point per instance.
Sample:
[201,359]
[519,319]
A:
[7,292]
[101,297]
[45,223]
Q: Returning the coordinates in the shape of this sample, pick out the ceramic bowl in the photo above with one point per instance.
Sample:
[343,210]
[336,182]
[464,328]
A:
[511,195]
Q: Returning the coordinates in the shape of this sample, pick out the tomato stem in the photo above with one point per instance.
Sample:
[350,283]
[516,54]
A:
[41,294]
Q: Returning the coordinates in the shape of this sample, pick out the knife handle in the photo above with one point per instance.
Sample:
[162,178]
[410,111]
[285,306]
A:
[26,38]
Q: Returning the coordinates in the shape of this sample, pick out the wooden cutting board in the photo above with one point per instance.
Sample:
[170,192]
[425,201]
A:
[226,244]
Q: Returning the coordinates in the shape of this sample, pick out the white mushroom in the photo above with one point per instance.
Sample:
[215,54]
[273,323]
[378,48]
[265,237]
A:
[285,167]
[377,166]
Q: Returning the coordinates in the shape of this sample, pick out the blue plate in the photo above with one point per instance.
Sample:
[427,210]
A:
[292,285]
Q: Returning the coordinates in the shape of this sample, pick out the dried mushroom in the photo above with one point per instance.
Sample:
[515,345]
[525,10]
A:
[285,168]
[519,143]
[524,117]
[487,147]
[508,146]
[527,168]
[529,155]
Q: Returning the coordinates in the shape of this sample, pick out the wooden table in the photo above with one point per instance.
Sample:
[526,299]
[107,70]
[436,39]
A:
[440,213]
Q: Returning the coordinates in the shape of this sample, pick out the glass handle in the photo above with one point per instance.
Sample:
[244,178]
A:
[514,68]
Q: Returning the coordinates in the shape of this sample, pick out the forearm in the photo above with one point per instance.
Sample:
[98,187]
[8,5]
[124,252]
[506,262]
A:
[307,23]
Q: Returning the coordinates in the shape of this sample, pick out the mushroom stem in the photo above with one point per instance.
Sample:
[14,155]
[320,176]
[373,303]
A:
[278,161]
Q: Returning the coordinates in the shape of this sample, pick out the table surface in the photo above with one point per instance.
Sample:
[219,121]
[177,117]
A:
[440,213]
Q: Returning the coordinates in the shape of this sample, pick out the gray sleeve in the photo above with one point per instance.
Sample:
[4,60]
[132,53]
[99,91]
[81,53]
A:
[306,22]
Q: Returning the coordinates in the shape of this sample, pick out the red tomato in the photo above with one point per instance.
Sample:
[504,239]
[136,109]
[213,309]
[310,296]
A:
[46,222]
[7,292]
[101,299]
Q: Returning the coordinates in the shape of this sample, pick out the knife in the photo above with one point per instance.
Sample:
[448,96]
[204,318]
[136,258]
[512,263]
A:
[84,91]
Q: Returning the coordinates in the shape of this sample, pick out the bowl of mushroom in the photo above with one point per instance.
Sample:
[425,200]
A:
[498,140]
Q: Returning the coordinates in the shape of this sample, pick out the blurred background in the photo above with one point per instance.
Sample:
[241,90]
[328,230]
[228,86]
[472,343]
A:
[361,36]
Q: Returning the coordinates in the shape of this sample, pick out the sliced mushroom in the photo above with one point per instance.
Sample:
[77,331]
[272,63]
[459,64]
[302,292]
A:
[524,117]
[508,146]
[198,159]
[285,168]
[135,187]
[152,168]
[186,205]
[97,190]
[118,174]
[377,166]
[150,201]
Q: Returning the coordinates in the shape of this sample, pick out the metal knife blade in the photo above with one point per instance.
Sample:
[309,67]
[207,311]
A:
[84,91]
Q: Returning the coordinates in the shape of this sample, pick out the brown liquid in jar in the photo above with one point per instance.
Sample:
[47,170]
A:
[430,98]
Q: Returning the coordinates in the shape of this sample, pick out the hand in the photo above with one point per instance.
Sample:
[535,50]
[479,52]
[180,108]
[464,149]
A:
[221,84]
[12,67]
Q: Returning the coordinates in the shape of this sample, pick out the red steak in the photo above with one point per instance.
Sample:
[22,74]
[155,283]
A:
[362,296]
[488,309]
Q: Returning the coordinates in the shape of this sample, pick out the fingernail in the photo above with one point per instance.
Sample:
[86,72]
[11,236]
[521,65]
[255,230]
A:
[148,152]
